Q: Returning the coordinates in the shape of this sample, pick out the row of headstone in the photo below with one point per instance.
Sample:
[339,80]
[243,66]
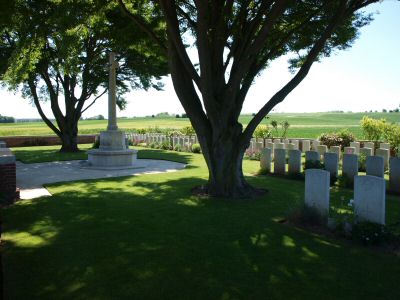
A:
[183,141]
[369,195]
[256,146]
[375,165]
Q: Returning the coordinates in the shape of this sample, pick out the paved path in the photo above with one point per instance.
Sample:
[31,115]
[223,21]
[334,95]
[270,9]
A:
[32,177]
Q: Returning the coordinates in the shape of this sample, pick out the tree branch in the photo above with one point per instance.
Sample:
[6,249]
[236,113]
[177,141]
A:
[143,26]
[35,97]
[174,35]
[301,74]
[95,99]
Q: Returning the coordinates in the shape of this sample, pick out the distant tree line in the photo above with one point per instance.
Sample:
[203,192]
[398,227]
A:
[5,119]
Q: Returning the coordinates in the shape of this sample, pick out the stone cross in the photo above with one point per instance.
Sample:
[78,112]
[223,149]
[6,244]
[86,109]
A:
[112,102]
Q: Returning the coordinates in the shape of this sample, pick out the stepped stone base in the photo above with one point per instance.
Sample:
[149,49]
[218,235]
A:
[112,153]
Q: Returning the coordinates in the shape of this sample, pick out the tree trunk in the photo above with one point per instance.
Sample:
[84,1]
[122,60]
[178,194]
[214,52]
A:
[69,138]
[224,157]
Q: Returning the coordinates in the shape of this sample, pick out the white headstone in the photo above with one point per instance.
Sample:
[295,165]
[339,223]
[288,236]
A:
[331,162]
[349,150]
[369,198]
[259,146]
[335,149]
[294,161]
[280,161]
[277,141]
[279,146]
[355,145]
[321,149]
[394,174]
[366,151]
[315,145]
[295,143]
[290,146]
[269,145]
[384,146]
[370,145]
[385,153]
[317,190]
[350,165]
[375,166]
[312,156]
[266,159]
[305,145]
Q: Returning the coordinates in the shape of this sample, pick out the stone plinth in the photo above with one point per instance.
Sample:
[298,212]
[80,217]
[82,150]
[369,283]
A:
[112,140]
[98,158]
[112,152]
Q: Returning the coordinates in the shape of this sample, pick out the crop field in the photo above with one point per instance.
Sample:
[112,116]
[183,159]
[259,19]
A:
[307,125]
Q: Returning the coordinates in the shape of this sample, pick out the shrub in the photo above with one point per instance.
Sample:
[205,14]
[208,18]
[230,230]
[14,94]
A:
[262,131]
[130,142]
[392,135]
[166,145]
[372,128]
[178,148]
[341,138]
[152,145]
[346,137]
[330,139]
[96,143]
[196,148]
[362,161]
[370,233]
[188,130]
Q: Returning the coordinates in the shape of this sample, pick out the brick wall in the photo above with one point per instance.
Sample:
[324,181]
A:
[46,140]
[8,178]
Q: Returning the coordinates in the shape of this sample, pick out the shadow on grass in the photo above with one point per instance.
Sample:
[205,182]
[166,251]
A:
[129,238]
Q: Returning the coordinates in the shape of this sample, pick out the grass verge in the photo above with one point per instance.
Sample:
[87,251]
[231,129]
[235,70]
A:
[147,237]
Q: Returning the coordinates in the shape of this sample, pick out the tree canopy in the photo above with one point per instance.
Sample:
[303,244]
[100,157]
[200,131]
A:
[235,41]
[57,51]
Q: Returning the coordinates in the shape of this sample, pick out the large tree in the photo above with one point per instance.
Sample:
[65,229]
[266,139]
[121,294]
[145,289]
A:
[235,41]
[57,51]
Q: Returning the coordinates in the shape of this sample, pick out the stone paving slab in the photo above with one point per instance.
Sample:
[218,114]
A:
[32,177]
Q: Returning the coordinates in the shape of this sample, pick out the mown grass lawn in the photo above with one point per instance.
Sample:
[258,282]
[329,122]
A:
[147,237]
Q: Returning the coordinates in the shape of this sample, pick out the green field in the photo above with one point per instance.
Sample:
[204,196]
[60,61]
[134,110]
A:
[307,125]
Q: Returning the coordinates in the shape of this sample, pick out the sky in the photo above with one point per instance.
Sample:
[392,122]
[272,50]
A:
[363,78]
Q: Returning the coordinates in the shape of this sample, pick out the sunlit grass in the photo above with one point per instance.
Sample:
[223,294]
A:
[148,237]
